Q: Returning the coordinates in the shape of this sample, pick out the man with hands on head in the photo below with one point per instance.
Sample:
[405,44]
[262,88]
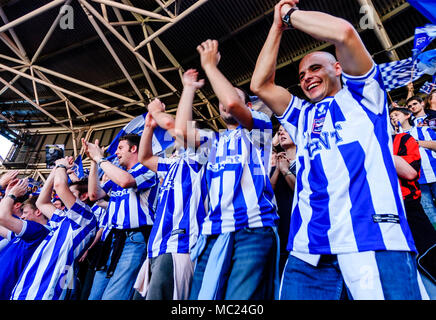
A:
[130,214]
[24,235]
[50,273]
[237,249]
[348,213]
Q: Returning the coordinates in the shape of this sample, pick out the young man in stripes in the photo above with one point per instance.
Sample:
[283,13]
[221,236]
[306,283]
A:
[24,236]
[132,189]
[426,139]
[408,165]
[348,225]
[50,272]
[416,105]
[237,250]
[168,270]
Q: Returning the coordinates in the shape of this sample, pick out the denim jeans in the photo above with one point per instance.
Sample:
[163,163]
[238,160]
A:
[252,267]
[120,285]
[428,192]
[302,281]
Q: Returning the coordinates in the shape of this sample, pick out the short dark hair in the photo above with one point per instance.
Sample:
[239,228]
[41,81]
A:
[132,139]
[405,111]
[417,98]
[82,185]
[30,202]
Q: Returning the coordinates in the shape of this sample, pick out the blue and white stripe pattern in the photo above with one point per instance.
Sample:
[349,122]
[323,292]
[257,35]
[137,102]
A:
[50,271]
[347,194]
[428,157]
[181,207]
[132,207]
[397,74]
[419,120]
[240,192]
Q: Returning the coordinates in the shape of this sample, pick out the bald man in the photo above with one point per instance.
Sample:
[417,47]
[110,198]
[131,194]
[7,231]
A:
[348,226]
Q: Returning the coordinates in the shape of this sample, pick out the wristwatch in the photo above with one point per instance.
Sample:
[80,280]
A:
[288,173]
[61,166]
[287,18]
[100,161]
[12,196]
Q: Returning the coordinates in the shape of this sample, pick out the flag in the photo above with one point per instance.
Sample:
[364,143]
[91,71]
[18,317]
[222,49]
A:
[397,74]
[161,138]
[427,87]
[423,36]
[78,167]
[426,7]
[427,62]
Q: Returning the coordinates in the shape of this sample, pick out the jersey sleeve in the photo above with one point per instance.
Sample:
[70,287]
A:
[144,177]
[163,166]
[368,90]
[107,186]
[290,118]
[81,214]
[32,231]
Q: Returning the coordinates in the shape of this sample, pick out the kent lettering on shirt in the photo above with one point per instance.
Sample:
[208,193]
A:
[50,272]
[348,198]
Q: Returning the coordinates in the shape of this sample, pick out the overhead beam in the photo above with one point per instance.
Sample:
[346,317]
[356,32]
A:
[63,90]
[170,24]
[380,30]
[31,15]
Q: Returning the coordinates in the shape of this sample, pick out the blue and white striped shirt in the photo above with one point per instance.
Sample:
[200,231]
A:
[17,253]
[132,207]
[348,197]
[240,192]
[181,207]
[428,156]
[50,271]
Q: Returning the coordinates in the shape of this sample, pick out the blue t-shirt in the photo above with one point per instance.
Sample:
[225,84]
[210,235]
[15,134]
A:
[16,254]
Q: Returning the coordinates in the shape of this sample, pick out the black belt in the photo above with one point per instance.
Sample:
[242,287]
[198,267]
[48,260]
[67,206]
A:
[119,236]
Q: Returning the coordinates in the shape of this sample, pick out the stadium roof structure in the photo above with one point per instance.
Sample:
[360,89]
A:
[69,64]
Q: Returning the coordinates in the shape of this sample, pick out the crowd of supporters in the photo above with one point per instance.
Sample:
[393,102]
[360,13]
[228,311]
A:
[334,194]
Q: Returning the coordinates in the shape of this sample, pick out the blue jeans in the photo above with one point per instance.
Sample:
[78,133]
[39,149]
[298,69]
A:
[252,267]
[302,281]
[428,192]
[120,285]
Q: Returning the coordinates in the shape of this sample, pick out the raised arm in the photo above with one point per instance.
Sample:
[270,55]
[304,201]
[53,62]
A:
[145,152]
[263,79]
[184,122]
[95,192]
[163,120]
[6,178]
[224,90]
[17,188]
[350,50]
[43,202]
[121,177]
[61,181]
